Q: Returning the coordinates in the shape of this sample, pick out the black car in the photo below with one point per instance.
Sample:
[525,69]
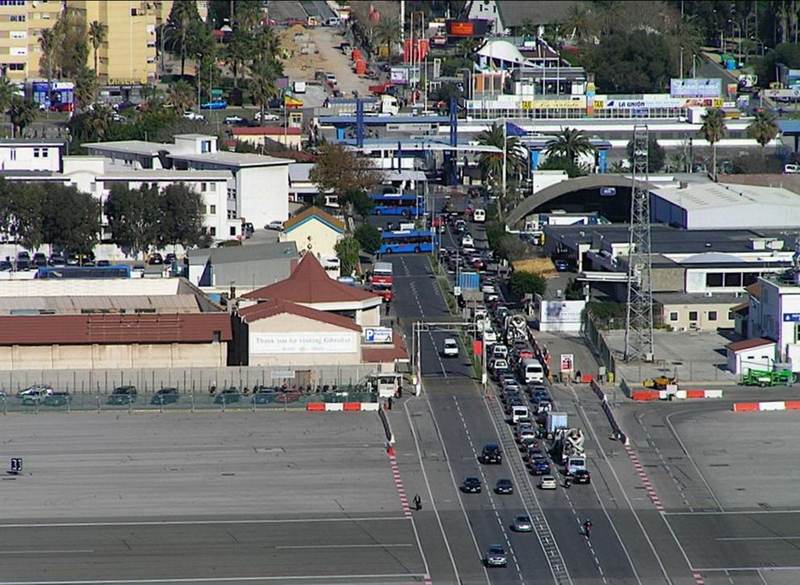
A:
[170,258]
[471,485]
[23,264]
[57,260]
[166,396]
[123,395]
[155,259]
[265,396]
[5,266]
[581,476]
[104,263]
[39,260]
[57,398]
[228,396]
[504,487]
[491,454]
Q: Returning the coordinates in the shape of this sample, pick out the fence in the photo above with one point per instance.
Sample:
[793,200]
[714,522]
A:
[188,380]
[595,337]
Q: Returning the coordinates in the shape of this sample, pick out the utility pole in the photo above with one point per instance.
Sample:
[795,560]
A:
[639,317]
[505,160]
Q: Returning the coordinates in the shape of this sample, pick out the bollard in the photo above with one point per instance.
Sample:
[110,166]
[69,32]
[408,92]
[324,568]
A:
[192,401]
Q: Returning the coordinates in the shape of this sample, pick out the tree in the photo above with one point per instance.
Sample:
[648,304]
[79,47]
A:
[180,96]
[181,24]
[22,113]
[347,250]
[656,155]
[182,212]
[71,49]
[7,93]
[133,217]
[631,62]
[562,163]
[71,219]
[97,36]
[21,210]
[369,238]
[713,130]
[263,77]
[491,163]
[238,51]
[523,282]
[47,44]
[343,172]
[388,33]
[85,88]
[579,24]
[763,128]
[570,144]
[361,203]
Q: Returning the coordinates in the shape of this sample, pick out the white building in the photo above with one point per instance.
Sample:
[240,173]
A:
[257,185]
[775,315]
[20,154]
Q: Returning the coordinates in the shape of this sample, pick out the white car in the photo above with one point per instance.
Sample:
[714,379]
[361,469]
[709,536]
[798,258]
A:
[450,347]
[548,482]
[274,225]
[500,351]
[488,289]
[467,241]
[190,115]
[233,119]
[490,336]
[268,117]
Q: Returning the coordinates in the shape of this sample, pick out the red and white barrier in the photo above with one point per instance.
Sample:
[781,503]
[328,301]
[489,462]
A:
[766,406]
[644,395]
[341,406]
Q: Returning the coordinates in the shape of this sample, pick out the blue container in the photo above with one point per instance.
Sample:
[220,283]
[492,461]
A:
[469,281]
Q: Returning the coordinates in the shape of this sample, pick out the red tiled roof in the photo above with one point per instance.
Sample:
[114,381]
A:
[755,289]
[309,283]
[385,354]
[308,212]
[265,131]
[270,308]
[99,328]
[749,344]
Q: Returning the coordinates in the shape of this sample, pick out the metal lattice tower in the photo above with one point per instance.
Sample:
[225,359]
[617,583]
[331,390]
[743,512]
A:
[639,318]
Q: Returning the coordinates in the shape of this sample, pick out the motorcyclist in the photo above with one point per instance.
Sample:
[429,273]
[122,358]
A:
[587,528]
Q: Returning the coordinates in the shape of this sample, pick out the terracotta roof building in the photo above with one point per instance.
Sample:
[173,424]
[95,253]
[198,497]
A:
[109,323]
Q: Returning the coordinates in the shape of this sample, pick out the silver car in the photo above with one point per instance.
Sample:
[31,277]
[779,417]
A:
[522,524]
[496,556]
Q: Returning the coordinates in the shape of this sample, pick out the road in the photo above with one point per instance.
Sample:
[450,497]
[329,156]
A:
[466,421]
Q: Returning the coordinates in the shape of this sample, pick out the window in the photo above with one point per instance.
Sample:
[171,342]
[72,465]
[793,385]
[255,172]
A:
[692,315]
[712,315]
[212,209]
[212,231]
[16,66]
[35,153]
[233,230]
[212,187]
[133,12]
[45,152]
[713,279]
[203,187]
[12,154]
[730,316]
[205,146]
[733,279]
[17,18]
[749,278]
[673,316]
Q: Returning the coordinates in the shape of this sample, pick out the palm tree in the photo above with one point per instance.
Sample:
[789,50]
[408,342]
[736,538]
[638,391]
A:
[180,26]
[22,113]
[263,76]
[99,120]
[580,24]
[763,128]
[47,43]
[569,144]
[713,130]
[388,33]
[180,96]
[85,87]
[491,163]
[97,36]
[7,93]
[238,52]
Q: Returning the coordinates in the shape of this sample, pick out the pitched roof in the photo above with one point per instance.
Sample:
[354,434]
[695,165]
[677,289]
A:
[272,307]
[749,344]
[385,354]
[316,212]
[308,284]
[246,253]
[755,289]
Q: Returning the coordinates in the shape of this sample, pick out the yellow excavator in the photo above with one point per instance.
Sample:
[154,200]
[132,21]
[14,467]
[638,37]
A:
[659,383]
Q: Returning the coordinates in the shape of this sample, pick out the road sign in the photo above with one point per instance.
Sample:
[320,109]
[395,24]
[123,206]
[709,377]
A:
[567,362]
[378,335]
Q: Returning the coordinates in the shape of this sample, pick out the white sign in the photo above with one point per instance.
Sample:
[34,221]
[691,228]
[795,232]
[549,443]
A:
[693,87]
[378,335]
[271,343]
[567,362]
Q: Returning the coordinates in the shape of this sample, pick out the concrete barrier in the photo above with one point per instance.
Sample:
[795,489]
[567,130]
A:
[334,407]
[609,413]
[370,406]
[316,406]
[352,406]
[766,406]
[643,395]
[694,394]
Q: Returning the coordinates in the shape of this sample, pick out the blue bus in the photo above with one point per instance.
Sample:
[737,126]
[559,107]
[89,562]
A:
[407,205]
[114,271]
[406,242]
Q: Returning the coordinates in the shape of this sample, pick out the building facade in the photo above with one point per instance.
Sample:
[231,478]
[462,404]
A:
[21,25]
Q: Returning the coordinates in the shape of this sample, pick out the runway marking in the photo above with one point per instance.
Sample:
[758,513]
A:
[643,477]
[218,579]
[734,538]
[314,546]
[199,522]
[46,552]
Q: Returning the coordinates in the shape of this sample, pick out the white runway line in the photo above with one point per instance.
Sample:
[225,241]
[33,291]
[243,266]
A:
[317,546]
[201,522]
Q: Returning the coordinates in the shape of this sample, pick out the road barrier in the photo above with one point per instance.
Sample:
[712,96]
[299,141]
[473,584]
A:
[646,395]
[766,406]
[609,413]
[342,406]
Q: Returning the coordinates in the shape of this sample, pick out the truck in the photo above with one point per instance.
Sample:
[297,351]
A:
[567,443]
[382,281]
[555,421]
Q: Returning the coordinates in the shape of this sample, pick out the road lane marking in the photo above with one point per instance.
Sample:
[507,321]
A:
[46,552]
[219,579]
[316,546]
[735,538]
[200,522]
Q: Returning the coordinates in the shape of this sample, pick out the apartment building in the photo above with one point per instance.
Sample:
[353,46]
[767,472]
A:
[21,25]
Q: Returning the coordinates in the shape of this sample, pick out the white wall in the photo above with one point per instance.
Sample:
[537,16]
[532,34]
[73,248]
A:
[758,358]
[544,179]
[559,315]
[29,157]
[262,194]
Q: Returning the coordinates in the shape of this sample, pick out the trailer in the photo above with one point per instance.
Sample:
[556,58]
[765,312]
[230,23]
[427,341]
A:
[766,378]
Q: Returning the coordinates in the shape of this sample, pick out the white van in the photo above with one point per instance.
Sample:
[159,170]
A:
[520,414]
[574,464]
[299,87]
[479,215]
[531,371]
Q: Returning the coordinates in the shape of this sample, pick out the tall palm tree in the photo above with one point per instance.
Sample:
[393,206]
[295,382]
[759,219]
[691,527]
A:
[85,87]
[22,113]
[713,130]
[569,144]
[237,52]
[179,29]
[47,43]
[180,96]
[263,77]
[491,163]
[580,25]
[763,128]
[7,93]
[97,36]
[388,33]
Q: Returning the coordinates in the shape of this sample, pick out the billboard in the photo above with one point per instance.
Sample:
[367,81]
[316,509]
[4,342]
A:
[309,343]
[695,87]
[467,28]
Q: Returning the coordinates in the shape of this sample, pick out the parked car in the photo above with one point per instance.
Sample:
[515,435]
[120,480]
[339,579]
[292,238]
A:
[522,524]
[228,396]
[504,487]
[122,395]
[57,398]
[471,485]
[265,395]
[165,396]
[214,105]
[155,258]
[274,225]
[268,117]
[190,115]
[35,389]
[496,556]
[104,263]
[233,120]
[35,395]
[57,260]
[5,266]
[39,259]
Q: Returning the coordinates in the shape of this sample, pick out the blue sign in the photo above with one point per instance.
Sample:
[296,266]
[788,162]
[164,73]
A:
[791,317]
[378,335]
[608,191]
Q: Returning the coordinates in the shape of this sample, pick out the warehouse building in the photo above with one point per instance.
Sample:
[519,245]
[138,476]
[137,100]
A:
[109,323]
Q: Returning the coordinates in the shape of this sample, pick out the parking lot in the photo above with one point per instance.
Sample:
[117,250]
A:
[159,496]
